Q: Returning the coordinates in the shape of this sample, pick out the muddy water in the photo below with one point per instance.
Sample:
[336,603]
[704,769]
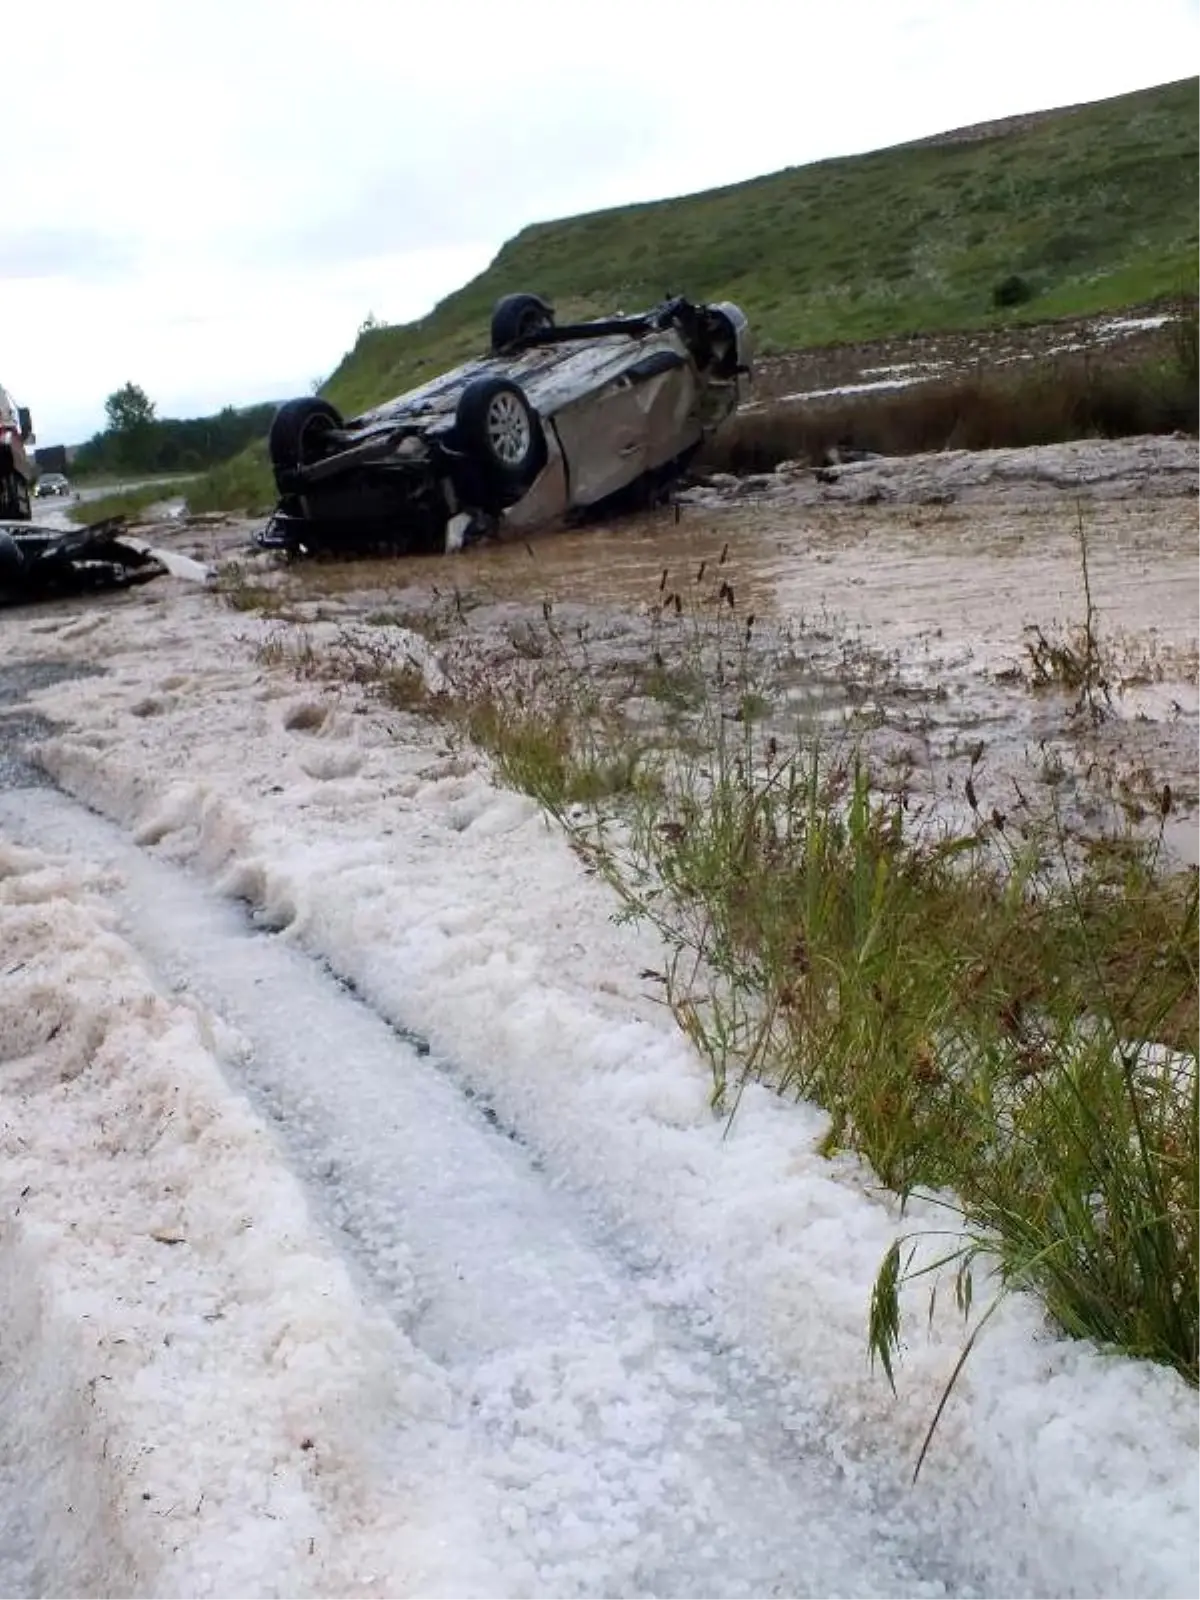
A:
[928,587]
[916,623]
[975,573]
[910,624]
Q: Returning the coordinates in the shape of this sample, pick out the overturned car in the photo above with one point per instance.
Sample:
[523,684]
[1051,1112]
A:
[557,418]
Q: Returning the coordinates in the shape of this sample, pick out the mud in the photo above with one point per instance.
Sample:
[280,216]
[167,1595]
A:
[1140,334]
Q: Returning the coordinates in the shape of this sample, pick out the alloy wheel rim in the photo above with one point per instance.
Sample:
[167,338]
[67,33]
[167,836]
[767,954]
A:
[508,429]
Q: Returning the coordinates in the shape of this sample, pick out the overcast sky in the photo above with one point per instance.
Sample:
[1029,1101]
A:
[207,199]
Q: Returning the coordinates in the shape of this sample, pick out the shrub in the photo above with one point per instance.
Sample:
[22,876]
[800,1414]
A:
[1012,291]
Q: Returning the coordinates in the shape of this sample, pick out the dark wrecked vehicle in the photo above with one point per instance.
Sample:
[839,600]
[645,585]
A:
[17,470]
[38,561]
[557,418]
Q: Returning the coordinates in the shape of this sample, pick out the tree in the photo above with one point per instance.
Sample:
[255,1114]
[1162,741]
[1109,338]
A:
[129,410]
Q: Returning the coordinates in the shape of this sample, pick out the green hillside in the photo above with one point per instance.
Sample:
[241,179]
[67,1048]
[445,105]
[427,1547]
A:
[1093,208]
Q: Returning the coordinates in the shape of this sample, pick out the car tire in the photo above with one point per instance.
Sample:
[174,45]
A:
[297,427]
[15,504]
[518,317]
[498,429]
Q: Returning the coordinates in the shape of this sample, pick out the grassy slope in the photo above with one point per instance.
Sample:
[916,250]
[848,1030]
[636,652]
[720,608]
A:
[1095,206]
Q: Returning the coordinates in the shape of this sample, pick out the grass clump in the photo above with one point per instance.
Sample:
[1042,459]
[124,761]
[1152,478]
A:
[547,728]
[544,751]
[241,591]
[1074,662]
[971,1021]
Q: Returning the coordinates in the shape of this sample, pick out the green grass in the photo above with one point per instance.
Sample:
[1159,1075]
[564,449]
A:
[243,484]
[130,502]
[1094,208]
[539,751]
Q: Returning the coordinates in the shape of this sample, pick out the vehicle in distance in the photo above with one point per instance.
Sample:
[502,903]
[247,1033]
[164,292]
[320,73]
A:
[556,418]
[16,465]
[51,483]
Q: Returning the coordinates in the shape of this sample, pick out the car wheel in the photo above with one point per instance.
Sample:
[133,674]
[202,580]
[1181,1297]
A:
[14,498]
[497,427]
[297,430]
[518,317]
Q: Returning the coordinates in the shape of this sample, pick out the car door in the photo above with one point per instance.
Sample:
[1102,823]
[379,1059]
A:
[638,419]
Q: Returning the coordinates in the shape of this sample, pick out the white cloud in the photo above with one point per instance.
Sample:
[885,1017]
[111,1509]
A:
[208,199]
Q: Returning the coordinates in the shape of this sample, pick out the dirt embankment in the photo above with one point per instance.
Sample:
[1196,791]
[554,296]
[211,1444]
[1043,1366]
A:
[1090,469]
[1139,334]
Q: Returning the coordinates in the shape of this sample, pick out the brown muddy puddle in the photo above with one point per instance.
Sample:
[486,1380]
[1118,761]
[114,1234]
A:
[911,626]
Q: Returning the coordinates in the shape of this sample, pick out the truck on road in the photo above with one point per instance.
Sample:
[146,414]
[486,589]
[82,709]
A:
[17,470]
